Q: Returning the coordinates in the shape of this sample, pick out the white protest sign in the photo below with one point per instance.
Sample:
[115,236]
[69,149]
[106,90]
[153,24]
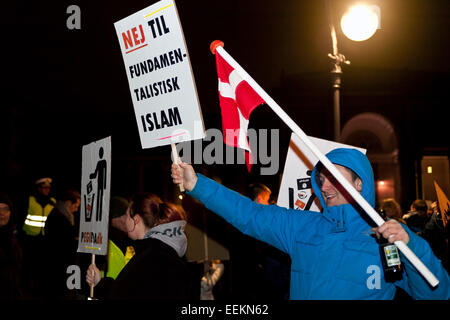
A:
[296,190]
[160,76]
[95,193]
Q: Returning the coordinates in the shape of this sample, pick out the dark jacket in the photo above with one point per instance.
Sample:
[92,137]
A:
[10,257]
[435,233]
[155,272]
[61,235]
[61,247]
[10,264]
[416,221]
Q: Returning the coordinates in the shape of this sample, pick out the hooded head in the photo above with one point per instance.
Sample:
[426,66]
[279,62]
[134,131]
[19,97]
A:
[355,161]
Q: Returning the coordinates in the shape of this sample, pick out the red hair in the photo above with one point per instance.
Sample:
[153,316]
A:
[154,211]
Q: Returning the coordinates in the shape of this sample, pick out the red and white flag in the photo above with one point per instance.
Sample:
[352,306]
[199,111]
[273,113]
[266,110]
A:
[237,101]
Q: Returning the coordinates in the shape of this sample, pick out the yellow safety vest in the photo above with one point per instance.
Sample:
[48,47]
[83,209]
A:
[116,259]
[37,216]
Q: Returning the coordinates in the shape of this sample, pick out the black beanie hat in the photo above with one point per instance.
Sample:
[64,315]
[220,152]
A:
[4,198]
[118,207]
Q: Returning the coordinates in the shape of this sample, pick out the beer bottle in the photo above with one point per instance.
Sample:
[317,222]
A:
[390,259]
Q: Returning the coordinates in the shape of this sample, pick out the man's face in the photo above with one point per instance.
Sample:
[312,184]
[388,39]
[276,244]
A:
[333,193]
[74,206]
[5,214]
[263,197]
[44,190]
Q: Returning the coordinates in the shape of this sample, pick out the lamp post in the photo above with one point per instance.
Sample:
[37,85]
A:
[358,24]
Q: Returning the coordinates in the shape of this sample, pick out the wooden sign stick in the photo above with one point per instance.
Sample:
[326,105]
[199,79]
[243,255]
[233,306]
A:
[91,292]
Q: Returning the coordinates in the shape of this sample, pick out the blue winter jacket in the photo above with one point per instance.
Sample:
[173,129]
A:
[334,253]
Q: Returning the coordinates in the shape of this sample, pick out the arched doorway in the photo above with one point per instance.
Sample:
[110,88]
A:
[375,133]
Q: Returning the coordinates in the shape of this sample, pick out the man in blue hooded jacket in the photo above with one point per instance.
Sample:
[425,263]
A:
[335,254]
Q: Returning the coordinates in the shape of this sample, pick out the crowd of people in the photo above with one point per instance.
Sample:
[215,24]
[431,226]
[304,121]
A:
[275,254]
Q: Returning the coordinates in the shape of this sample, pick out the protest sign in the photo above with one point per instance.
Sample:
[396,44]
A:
[95,194]
[160,76]
[296,190]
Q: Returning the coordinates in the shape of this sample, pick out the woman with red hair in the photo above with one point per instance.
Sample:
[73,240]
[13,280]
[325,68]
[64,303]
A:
[157,270]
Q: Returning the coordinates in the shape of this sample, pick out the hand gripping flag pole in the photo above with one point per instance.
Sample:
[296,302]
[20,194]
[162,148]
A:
[217,46]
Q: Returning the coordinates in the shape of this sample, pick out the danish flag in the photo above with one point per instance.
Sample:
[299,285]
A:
[237,101]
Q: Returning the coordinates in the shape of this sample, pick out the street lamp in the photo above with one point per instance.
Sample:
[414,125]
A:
[359,23]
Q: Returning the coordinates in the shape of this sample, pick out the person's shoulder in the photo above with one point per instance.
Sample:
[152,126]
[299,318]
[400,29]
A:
[56,218]
[153,246]
[54,214]
[159,255]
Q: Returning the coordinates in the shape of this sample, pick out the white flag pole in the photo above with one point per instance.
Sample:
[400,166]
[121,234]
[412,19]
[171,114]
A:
[415,261]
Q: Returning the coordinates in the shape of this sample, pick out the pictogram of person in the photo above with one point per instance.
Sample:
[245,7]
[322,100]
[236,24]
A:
[88,202]
[100,174]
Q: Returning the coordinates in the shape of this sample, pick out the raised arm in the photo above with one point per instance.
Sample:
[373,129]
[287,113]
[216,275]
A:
[268,223]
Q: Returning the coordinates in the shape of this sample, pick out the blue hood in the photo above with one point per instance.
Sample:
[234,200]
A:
[356,161]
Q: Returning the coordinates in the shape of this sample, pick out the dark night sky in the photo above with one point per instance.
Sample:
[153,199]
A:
[65,88]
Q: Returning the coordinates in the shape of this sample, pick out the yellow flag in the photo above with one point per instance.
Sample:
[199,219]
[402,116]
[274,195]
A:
[444,204]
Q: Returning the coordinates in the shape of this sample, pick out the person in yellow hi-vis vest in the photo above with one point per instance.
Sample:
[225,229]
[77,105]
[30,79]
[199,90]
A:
[120,250]
[40,204]
[117,259]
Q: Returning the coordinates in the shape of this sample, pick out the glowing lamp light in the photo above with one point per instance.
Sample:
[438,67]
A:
[360,22]
[381,182]
[429,169]
[180,196]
